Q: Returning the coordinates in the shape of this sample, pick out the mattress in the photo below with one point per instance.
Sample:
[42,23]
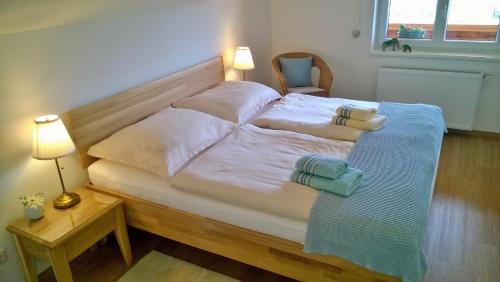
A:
[147,186]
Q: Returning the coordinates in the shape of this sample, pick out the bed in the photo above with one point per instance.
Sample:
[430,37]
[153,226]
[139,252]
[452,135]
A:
[269,240]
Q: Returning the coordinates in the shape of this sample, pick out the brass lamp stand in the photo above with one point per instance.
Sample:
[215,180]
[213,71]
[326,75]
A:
[66,199]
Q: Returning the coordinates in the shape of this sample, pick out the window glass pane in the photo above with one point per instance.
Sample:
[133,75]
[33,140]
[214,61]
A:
[411,19]
[473,20]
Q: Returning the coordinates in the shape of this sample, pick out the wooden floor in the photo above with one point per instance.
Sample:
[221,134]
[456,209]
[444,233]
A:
[463,238]
[463,234]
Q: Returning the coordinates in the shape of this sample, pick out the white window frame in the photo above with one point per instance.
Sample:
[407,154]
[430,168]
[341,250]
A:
[438,42]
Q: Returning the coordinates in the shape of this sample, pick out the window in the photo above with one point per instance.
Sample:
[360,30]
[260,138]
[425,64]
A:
[473,20]
[463,24]
[411,19]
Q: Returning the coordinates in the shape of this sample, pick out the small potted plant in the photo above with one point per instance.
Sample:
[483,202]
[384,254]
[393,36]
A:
[33,205]
[411,32]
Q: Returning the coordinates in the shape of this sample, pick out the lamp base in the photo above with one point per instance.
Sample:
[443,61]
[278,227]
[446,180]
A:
[66,200]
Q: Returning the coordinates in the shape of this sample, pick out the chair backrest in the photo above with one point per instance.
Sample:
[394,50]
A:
[325,74]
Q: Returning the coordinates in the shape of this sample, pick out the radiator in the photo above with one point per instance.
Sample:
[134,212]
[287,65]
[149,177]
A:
[456,93]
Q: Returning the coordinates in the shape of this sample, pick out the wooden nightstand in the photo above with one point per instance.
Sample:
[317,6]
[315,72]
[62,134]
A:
[61,235]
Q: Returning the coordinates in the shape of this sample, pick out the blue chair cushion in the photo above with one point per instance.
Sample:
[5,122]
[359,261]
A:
[297,71]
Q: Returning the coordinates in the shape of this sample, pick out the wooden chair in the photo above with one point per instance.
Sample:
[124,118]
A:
[325,78]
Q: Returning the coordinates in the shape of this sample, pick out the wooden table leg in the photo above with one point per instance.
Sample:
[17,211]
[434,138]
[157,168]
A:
[122,235]
[27,261]
[60,264]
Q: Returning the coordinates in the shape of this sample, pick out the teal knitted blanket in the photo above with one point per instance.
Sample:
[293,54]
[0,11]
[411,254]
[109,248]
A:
[382,224]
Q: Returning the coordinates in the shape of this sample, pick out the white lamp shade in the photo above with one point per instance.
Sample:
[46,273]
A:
[243,59]
[50,138]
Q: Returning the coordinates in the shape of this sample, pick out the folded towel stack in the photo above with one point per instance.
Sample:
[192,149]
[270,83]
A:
[356,111]
[371,124]
[361,117]
[327,174]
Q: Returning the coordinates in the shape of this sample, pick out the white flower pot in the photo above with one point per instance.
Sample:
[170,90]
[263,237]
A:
[33,213]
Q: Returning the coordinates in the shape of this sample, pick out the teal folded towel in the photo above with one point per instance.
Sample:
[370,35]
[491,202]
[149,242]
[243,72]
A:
[344,185]
[322,166]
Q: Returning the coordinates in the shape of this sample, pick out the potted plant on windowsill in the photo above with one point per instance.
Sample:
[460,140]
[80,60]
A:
[411,32]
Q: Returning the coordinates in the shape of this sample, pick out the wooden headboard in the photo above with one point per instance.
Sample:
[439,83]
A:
[94,122]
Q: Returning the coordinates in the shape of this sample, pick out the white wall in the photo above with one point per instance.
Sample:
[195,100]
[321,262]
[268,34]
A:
[257,25]
[324,27]
[52,66]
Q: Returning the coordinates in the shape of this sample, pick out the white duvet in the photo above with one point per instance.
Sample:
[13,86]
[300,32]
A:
[309,115]
[251,168]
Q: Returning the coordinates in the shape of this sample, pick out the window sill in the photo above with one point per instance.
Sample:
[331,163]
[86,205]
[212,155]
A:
[433,54]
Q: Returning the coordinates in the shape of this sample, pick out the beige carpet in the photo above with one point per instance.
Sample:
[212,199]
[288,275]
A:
[159,267]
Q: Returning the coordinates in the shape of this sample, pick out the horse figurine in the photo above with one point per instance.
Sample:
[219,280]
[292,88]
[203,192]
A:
[392,42]
[407,47]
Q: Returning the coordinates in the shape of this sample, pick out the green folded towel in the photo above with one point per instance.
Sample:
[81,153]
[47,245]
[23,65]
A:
[322,166]
[344,185]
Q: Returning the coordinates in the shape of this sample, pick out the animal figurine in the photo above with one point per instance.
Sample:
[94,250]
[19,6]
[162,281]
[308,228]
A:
[407,47]
[392,42]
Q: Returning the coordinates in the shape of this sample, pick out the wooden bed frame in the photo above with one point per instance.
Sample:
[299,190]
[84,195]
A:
[92,123]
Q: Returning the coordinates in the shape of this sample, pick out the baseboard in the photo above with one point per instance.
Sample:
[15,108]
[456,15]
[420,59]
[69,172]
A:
[474,133]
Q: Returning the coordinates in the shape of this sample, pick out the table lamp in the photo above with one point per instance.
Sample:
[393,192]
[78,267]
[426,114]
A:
[50,142]
[243,60]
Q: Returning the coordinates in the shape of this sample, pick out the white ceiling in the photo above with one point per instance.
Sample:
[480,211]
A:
[26,15]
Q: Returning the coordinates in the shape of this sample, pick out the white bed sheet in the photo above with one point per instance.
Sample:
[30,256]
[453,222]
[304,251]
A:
[309,115]
[145,185]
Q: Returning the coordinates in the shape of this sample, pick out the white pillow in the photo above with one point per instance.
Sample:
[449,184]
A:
[164,142]
[236,101]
